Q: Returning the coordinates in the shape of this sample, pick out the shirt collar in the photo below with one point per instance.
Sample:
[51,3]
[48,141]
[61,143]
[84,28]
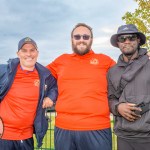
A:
[83,56]
[26,71]
[121,62]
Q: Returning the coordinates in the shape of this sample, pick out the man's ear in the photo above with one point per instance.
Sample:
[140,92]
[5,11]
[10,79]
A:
[148,53]
[139,40]
[17,53]
[38,53]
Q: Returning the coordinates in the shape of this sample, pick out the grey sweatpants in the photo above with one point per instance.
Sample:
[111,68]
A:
[123,144]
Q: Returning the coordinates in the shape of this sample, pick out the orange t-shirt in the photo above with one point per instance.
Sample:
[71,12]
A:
[18,108]
[82,102]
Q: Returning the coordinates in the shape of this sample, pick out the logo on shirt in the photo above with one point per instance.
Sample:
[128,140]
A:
[36,83]
[94,61]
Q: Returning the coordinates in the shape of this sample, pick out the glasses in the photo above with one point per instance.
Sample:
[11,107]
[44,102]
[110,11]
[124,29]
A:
[84,36]
[130,37]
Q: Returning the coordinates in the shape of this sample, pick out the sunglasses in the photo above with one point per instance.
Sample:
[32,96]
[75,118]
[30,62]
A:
[84,36]
[130,37]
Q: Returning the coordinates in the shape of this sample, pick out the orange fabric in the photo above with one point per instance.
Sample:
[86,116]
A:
[82,103]
[18,108]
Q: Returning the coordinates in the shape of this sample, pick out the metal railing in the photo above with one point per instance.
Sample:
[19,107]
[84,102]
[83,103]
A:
[48,142]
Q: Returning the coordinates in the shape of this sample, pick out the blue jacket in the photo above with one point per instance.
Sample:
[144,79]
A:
[7,74]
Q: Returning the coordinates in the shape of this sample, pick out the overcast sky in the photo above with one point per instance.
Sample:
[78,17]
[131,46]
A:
[49,23]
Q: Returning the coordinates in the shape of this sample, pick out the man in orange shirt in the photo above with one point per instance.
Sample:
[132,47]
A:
[82,121]
[25,87]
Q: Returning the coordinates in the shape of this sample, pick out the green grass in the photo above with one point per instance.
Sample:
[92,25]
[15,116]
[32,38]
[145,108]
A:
[48,141]
[114,137]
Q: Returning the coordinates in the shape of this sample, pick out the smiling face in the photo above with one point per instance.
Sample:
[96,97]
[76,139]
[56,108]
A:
[81,40]
[28,56]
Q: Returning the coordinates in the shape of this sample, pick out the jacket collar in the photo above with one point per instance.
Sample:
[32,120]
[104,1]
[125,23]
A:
[43,71]
[83,56]
[122,63]
[13,63]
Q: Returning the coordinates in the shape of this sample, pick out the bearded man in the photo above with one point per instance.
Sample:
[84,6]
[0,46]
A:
[128,90]
[82,121]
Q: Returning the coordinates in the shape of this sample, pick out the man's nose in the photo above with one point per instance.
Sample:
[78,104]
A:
[28,53]
[127,40]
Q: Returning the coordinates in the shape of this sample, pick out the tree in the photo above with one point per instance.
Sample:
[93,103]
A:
[141,18]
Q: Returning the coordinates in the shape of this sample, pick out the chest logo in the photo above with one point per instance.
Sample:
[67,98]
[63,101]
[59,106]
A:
[94,61]
[36,83]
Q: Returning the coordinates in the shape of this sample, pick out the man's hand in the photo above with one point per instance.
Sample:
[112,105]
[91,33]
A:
[127,111]
[148,53]
[47,102]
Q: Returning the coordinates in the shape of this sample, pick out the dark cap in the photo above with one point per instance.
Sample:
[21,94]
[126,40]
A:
[26,40]
[127,29]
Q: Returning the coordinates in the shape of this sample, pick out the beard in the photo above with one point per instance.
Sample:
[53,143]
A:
[81,52]
[131,51]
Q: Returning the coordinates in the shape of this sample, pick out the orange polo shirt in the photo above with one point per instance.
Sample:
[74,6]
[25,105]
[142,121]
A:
[82,102]
[18,108]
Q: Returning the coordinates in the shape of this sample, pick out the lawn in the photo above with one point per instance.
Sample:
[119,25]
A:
[48,142]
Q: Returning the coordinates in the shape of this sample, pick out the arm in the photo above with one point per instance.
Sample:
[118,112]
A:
[52,92]
[50,99]
[118,108]
[3,80]
[113,100]
[52,67]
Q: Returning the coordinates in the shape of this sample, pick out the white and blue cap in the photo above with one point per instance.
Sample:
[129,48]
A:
[26,40]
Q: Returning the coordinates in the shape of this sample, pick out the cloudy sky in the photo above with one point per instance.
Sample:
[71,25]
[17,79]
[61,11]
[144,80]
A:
[49,23]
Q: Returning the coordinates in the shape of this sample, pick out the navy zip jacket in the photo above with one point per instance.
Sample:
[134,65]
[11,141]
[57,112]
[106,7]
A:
[7,74]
